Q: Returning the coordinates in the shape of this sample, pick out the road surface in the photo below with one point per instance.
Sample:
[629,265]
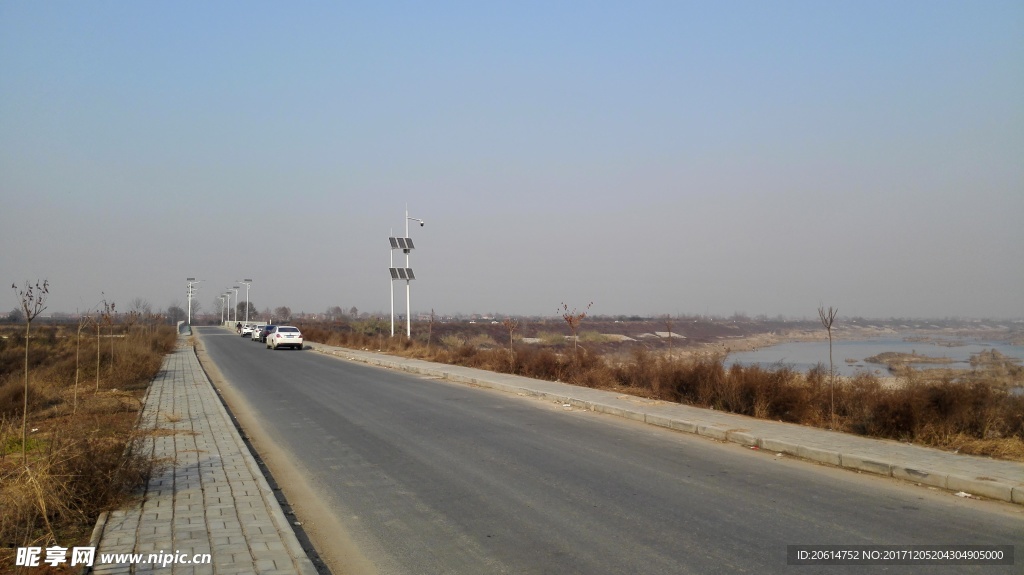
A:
[425,476]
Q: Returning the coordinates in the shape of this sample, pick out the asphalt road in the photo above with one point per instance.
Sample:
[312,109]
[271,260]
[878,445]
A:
[432,477]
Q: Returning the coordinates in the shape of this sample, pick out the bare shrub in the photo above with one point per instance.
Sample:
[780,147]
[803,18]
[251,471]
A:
[593,336]
[80,475]
[79,463]
[539,363]
[706,378]
[639,373]
[453,341]
[600,377]
[974,416]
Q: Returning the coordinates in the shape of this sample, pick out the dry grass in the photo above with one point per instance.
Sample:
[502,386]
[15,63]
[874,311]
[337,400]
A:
[972,415]
[83,452]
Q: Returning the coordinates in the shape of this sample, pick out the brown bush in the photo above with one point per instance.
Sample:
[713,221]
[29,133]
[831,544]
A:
[539,363]
[83,458]
[973,416]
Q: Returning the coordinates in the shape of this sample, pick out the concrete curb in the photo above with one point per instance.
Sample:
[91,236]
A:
[986,487]
[94,539]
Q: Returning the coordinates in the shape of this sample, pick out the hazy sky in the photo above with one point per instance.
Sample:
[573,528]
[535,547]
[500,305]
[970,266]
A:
[651,157]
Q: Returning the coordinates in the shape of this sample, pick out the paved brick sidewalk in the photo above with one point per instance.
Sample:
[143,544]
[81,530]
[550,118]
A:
[996,479]
[209,497]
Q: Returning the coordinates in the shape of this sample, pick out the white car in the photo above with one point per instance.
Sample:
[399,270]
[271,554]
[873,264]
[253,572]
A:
[247,329]
[256,329]
[285,336]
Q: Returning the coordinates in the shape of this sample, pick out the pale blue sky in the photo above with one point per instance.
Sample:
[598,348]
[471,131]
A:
[652,157]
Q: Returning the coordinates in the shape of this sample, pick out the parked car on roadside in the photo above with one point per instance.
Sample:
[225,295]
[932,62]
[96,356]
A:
[285,336]
[265,331]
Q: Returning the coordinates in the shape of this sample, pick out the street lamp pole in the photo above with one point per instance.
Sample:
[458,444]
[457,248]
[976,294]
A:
[190,281]
[392,282]
[408,290]
[236,302]
[247,282]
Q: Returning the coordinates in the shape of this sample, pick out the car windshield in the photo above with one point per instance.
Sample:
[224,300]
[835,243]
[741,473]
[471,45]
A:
[289,329]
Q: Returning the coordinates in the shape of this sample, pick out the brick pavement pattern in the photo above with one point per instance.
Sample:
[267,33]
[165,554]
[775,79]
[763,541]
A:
[207,494]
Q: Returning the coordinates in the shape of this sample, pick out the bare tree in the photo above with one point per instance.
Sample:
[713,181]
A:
[31,299]
[510,325]
[430,327]
[573,318]
[827,318]
[283,313]
[96,321]
[83,322]
[130,319]
[140,306]
[240,310]
[334,313]
[176,313]
[109,316]
[15,316]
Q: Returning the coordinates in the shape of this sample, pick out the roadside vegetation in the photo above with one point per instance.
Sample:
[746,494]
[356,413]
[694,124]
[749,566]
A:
[973,411]
[79,401]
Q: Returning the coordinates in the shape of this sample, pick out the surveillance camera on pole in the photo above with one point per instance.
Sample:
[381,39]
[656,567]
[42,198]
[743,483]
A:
[405,244]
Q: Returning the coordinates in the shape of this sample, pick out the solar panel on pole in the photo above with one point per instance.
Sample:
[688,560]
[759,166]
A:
[402,274]
[404,244]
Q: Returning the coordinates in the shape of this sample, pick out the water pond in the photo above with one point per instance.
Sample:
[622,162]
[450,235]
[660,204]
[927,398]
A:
[803,356]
